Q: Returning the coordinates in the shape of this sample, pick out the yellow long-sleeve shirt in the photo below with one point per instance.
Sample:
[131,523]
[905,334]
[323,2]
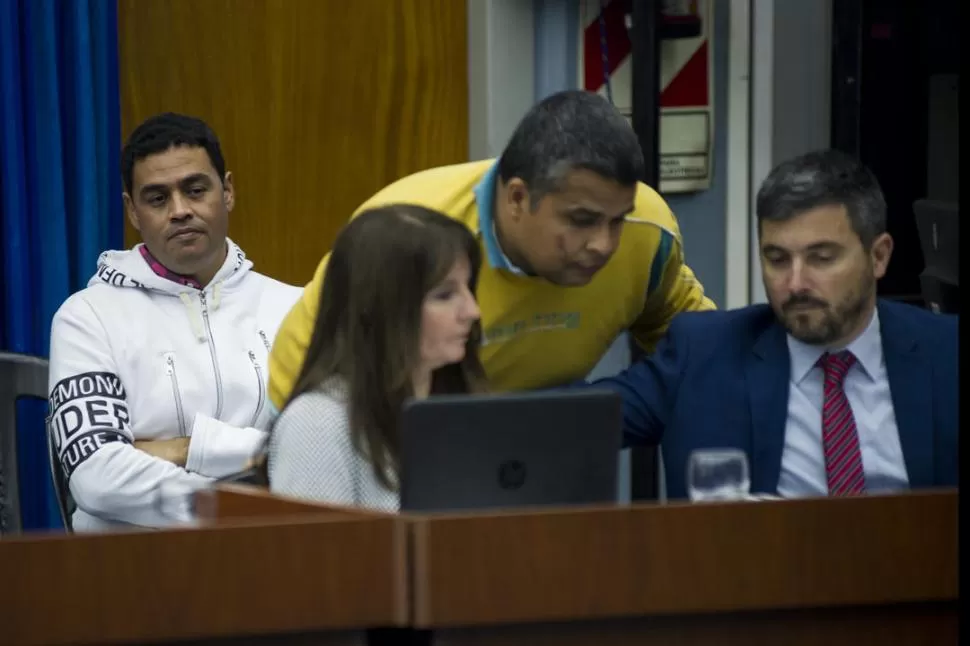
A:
[536,334]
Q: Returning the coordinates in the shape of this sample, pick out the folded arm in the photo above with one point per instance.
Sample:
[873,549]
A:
[91,427]
[217,449]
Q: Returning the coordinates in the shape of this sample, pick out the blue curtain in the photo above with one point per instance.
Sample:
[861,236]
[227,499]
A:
[60,187]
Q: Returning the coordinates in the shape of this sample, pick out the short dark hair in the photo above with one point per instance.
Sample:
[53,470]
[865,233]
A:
[823,178]
[571,130]
[159,133]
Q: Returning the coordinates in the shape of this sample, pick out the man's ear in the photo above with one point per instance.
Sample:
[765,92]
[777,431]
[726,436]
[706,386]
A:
[881,252]
[130,211]
[517,195]
[228,192]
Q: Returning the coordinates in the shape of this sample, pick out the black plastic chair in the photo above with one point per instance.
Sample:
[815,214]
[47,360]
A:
[21,376]
[938,225]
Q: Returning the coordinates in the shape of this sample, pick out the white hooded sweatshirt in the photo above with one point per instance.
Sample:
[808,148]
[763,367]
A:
[135,356]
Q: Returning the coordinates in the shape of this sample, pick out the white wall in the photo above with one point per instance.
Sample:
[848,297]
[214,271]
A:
[790,93]
[737,209]
[501,64]
[802,77]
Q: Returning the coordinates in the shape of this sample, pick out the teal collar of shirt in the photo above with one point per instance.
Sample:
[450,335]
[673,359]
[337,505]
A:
[867,348]
[485,198]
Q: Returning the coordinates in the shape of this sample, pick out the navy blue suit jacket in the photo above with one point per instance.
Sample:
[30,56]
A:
[721,379]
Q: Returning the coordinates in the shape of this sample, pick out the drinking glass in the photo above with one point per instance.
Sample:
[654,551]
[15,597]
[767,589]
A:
[718,474]
[176,503]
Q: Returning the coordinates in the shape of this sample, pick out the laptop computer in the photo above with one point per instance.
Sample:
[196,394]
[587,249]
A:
[464,452]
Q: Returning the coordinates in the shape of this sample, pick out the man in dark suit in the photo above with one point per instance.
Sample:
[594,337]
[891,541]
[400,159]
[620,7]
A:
[827,389]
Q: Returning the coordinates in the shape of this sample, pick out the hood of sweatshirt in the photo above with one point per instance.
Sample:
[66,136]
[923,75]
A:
[128,270]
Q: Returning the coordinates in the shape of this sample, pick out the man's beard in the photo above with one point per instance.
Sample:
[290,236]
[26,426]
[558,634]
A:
[834,322]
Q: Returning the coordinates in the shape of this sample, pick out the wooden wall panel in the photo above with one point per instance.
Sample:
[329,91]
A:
[317,103]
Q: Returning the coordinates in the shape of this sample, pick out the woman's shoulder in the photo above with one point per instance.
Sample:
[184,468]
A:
[319,409]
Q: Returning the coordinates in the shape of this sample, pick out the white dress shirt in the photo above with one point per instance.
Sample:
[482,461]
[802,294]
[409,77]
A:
[867,389]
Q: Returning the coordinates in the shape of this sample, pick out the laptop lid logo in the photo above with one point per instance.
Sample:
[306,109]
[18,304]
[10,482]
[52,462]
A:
[511,474]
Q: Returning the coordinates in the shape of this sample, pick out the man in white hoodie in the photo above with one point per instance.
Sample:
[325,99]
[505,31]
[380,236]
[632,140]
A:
[158,367]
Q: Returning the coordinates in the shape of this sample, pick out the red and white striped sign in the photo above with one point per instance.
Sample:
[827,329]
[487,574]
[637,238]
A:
[686,99]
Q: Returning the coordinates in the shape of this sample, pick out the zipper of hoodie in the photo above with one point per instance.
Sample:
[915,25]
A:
[262,391]
[212,354]
[173,377]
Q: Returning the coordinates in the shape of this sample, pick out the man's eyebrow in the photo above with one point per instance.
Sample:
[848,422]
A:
[584,210]
[183,181]
[598,213]
[825,245]
[152,188]
[773,247]
[195,177]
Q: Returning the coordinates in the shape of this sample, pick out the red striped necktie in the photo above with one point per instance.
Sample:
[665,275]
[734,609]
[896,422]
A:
[840,438]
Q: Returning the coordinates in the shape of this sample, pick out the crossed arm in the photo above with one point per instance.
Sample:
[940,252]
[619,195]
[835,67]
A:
[110,474]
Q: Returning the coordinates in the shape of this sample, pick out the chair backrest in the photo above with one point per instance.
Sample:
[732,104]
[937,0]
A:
[938,225]
[941,295]
[21,375]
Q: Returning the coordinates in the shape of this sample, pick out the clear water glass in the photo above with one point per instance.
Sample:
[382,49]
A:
[176,503]
[718,474]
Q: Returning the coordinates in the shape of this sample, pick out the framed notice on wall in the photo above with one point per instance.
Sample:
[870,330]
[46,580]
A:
[686,76]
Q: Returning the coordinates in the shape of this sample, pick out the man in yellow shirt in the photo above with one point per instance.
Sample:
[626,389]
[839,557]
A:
[576,248]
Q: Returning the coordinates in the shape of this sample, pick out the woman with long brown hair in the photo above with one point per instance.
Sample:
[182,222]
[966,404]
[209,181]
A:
[398,320]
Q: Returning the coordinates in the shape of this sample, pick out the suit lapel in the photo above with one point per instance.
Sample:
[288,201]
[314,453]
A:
[911,387]
[767,371]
